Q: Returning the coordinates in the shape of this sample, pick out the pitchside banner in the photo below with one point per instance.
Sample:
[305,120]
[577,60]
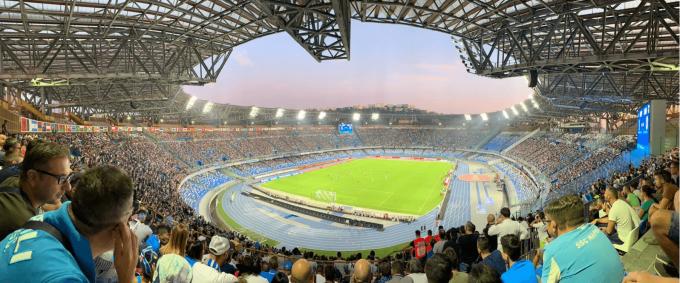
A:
[35,126]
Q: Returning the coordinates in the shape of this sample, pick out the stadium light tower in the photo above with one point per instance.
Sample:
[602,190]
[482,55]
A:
[322,115]
[301,115]
[253,112]
[279,113]
[514,110]
[505,114]
[190,102]
[356,116]
[468,117]
[484,117]
[375,116]
[207,107]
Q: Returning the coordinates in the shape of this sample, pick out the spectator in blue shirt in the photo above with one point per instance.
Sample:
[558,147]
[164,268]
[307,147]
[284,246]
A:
[580,252]
[519,270]
[492,259]
[272,266]
[93,223]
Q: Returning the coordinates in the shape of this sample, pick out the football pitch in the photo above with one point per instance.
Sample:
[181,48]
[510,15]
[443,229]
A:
[401,186]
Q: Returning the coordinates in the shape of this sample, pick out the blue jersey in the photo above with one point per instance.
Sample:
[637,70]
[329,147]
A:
[36,256]
[582,255]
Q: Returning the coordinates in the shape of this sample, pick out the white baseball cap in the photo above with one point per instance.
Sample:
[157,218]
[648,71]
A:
[219,245]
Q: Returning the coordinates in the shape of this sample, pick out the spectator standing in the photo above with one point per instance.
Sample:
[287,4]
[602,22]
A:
[467,243]
[506,226]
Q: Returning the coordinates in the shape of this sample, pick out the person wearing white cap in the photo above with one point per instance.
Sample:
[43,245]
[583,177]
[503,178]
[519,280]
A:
[208,271]
[219,247]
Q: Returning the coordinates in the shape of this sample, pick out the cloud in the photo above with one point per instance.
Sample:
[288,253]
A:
[242,58]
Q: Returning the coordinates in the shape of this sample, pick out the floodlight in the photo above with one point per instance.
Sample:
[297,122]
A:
[484,117]
[375,116]
[279,112]
[524,106]
[190,102]
[161,121]
[514,110]
[505,114]
[193,122]
[468,117]
[254,111]
[301,115]
[207,107]
[536,105]
[128,117]
[322,115]
[356,116]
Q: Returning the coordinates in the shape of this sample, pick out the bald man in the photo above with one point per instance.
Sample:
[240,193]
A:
[362,272]
[302,272]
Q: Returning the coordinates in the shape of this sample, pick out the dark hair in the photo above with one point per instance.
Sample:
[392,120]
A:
[40,154]
[511,246]
[280,277]
[438,269]
[483,244]
[480,273]
[661,173]
[649,191]
[9,144]
[453,257]
[247,265]
[163,229]
[195,251]
[273,262]
[429,232]
[102,197]
[505,212]
[385,268]
[397,267]
[414,266]
[418,233]
[566,211]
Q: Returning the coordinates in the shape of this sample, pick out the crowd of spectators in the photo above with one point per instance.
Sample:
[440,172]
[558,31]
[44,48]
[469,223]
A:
[118,195]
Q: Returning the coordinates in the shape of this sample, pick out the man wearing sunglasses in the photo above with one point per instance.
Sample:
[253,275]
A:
[44,177]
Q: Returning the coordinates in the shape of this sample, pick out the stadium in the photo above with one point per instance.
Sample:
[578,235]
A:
[195,141]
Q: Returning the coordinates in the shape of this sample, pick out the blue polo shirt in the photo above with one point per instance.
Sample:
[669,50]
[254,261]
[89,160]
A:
[35,256]
[582,255]
[521,271]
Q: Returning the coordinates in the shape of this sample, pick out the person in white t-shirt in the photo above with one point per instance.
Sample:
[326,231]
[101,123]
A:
[541,228]
[506,226]
[621,219]
[141,230]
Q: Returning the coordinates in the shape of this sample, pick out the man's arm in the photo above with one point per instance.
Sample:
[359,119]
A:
[493,230]
[610,227]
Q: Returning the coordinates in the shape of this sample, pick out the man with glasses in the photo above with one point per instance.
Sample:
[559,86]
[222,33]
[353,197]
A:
[44,178]
[60,245]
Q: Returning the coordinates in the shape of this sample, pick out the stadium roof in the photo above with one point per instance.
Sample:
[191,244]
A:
[132,56]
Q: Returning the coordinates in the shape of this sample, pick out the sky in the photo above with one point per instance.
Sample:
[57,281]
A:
[390,64]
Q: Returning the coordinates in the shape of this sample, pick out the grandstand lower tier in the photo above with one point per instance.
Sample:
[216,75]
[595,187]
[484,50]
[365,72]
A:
[468,201]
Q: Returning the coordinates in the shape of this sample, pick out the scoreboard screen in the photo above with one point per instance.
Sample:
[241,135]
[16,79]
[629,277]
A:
[643,127]
[345,129]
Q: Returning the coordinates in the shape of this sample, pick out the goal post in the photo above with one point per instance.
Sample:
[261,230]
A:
[325,196]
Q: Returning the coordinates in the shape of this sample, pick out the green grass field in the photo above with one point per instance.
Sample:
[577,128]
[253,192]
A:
[401,186]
